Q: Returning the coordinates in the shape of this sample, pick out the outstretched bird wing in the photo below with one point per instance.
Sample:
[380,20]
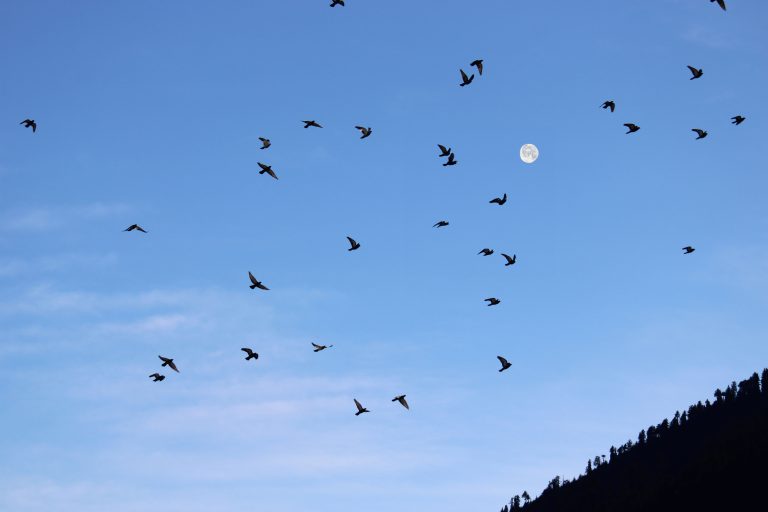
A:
[360,408]
[503,361]
[464,76]
[401,399]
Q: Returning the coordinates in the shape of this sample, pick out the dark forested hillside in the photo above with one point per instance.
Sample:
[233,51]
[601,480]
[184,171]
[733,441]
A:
[714,456]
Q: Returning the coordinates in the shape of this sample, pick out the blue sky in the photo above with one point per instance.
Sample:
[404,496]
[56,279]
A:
[149,112]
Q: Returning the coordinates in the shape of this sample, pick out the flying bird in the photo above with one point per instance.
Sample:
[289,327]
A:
[256,283]
[441,224]
[402,401]
[365,131]
[610,104]
[510,261]
[156,377]
[334,3]
[478,63]
[30,123]
[737,120]
[135,227]
[265,143]
[251,354]
[267,169]
[464,79]
[721,3]
[499,200]
[451,160]
[688,249]
[492,301]
[505,365]
[307,124]
[169,362]
[444,151]
[632,127]
[319,348]
[700,132]
[353,244]
[486,252]
[360,408]
[695,72]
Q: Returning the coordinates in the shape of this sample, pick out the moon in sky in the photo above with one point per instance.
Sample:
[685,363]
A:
[529,153]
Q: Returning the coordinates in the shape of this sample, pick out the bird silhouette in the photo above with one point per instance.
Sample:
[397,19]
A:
[334,3]
[307,124]
[251,354]
[700,132]
[610,104]
[721,3]
[505,365]
[444,151]
[320,348]
[499,200]
[632,127]
[492,301]
[695,72]
[353,244]
[737,120]
[510,261]
[451,160]
[365,131]
[441,224]
[486,252]
[267,169]
[255,283]
[464,79]
[135,227]
[265,143]
[29,123]
[402,401]
[688,249]
[156,377]
[478,63]
[169,362]
[360,408]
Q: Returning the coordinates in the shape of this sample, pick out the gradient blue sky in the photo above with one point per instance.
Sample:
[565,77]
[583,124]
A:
[149,112]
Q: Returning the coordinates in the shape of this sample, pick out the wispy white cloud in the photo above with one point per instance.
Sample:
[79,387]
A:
[47,218]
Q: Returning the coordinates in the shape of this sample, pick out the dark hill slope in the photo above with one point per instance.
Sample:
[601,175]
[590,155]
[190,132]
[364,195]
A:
[714,456]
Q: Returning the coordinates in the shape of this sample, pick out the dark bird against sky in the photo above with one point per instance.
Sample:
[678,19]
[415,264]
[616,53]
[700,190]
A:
[402,401]
[255,283]
[169,362]
[505,365]
[701,133]
[334,3]
[632,127]
[29,123]
[688,249]
[251,354]
[465,80]
[156,377]
[510,260]
[499,200]
[441,224]
[695,72]
[737,120]
[365,131]
[610,104]
[479,65]
[265,143]
[307,124]
[134,227]
[451,160]
[320,348]
[360,408]
[267,169]
[492,301]
[721,3]
[486,252]
[353,245]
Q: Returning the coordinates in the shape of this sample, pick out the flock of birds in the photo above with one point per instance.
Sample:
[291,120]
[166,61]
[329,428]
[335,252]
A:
[445,152]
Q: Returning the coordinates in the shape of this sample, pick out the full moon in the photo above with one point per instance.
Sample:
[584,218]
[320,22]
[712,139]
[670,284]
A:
[529,153]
